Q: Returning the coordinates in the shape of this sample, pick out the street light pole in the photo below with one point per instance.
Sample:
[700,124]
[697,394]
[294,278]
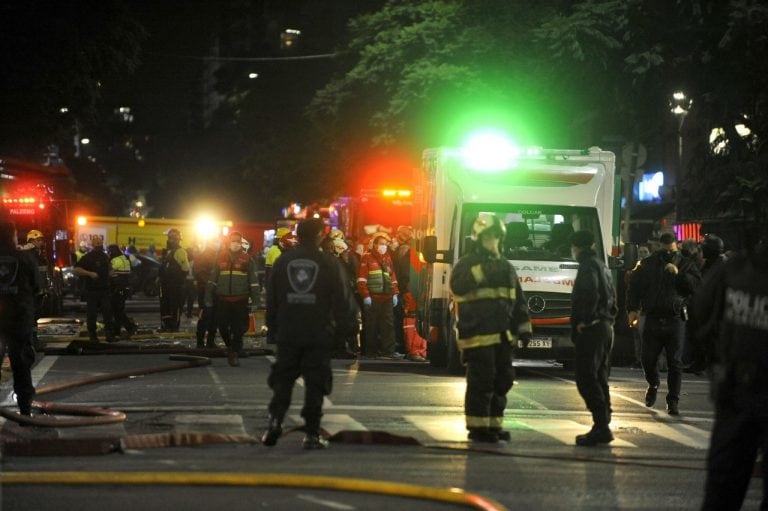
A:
[680,105]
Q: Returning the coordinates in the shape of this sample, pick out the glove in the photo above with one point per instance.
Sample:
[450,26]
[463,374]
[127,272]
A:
[394,300]
[525,338]
[367,301]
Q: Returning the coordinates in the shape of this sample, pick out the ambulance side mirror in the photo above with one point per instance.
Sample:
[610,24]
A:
[429,249]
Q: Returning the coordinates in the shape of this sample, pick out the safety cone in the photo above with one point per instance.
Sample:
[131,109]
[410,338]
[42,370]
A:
[251,323]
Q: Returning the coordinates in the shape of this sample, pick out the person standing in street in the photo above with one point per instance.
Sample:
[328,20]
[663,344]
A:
[377,285]
[232,284]
[492,316]
[120,289]
[174,268]
[308,304]
[661,286]
[734,298]
[94,267]
[35,247]
[593,310]
[202,268]
[20,282]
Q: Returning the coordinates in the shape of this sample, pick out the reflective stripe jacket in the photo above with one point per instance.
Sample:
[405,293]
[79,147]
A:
[376,277]
[120,273]
[489,301]
[233,278]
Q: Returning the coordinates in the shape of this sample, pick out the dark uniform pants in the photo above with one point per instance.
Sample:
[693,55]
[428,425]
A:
[667,334]
[313,363]
[489,377]
[232,319]
[206,322]
[736,437]
[171,302]
[117,300]
[21,356]
[99,300]
[593,367]
[379,328]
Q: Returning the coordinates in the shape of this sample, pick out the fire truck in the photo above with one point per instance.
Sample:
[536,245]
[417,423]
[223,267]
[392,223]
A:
[37,197]
[542,196]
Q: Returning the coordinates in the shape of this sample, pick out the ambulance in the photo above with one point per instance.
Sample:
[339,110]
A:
[542,196]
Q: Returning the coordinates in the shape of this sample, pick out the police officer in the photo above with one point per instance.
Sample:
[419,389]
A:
[232,283]
[660,287]
[735,297]
[94,268]
[173,273]
[308,303]
[120,289]
[492,315]
[593,309]
[20,281]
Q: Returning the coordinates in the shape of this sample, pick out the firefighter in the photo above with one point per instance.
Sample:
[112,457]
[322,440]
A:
[492,316]
[377,284]
[120,289]
[308,303]
[20,281]
[173,273]
[34,247]
[233,281]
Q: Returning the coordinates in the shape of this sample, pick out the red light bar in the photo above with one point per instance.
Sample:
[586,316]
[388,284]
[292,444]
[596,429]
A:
[20,200]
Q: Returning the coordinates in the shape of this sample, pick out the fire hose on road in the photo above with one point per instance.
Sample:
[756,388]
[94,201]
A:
[88,415]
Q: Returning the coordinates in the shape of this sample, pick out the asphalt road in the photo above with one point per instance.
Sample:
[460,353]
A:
[397,433]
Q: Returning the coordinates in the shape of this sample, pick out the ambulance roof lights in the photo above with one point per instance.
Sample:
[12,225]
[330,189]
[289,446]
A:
[489,151]
[396,193]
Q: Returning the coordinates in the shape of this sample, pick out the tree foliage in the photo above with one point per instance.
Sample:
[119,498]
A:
[606,66]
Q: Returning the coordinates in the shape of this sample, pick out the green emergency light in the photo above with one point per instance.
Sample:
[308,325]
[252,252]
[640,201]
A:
[489,151]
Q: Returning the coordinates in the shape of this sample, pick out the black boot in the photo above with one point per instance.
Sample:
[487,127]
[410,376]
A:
[485,435]
[273,432]
[313,440]
[597,435]
[502,435]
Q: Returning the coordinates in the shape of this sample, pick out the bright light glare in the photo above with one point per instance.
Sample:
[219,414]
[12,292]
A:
[253,76]
[81,220]
[489,151]
[85,141]
[206,228]
[678,95]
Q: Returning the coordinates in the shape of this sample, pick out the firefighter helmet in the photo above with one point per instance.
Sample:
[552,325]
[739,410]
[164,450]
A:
[490,223]
[34,234]
[281,231]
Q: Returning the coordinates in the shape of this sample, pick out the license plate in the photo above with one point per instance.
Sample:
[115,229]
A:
[537,342]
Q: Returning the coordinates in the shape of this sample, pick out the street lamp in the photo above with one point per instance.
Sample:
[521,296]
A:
[680,105]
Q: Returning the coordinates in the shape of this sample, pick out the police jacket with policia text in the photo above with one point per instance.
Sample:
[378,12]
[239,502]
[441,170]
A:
[593,298]
[20,282]
[734,298]
[376,277]
[233,278]
[308,299]
[659,293]
[489,300]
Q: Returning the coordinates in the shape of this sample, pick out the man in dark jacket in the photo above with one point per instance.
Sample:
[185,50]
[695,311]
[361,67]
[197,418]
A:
[734,298]
[660,287]
[308,303]
[492,316]
[94,268]
[20,281]
[593,309]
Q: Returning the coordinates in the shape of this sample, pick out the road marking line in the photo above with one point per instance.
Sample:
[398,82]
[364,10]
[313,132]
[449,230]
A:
[39,371]
[335,422]
[223,424]
[441,428]
[526,399]
[560,429]
[680,433]
[325,502]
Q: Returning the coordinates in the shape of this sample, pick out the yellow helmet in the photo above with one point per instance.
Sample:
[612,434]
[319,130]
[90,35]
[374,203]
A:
[281,231]
[34,234]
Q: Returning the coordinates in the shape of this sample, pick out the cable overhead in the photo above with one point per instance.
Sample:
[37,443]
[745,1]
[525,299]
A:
[245,59]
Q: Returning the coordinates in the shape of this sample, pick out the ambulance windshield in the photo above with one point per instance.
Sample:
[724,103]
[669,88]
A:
[535,233]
